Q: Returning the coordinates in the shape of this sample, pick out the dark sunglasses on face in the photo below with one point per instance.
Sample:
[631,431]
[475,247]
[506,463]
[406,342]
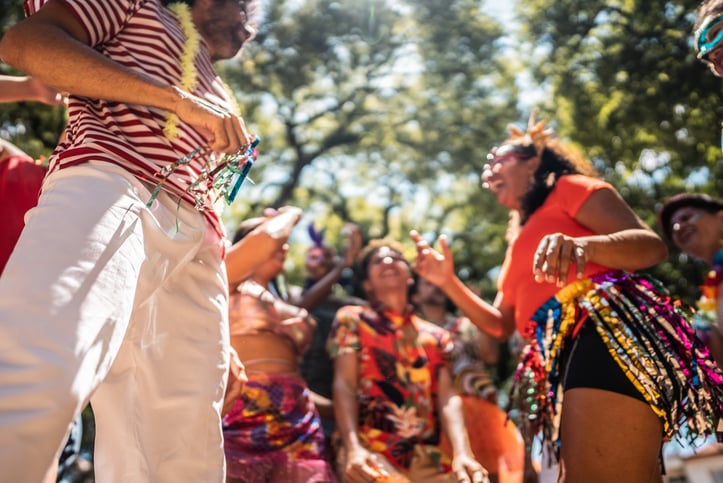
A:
[383,254]
[508,152]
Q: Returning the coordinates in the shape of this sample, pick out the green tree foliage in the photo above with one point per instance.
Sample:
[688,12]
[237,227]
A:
[380,113]
[623,83]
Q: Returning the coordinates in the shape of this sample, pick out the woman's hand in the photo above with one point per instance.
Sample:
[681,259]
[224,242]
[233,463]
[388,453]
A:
[353,243]
[436,267]
[41,92]
[468,470]
[362,466]
[555,254]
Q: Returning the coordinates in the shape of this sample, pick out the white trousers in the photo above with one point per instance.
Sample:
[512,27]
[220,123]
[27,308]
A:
[107,301]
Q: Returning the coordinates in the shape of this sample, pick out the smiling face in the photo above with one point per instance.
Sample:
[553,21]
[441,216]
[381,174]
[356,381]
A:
[319,261]
[696,231]
[387,272]
[225,25]
[508,173]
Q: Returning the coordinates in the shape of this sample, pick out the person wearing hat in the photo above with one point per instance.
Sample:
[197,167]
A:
[694,223]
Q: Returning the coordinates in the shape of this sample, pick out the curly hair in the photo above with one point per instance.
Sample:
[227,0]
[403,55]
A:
[557,160]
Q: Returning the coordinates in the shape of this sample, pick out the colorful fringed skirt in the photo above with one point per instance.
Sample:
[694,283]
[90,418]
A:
[273,433]
[646,333]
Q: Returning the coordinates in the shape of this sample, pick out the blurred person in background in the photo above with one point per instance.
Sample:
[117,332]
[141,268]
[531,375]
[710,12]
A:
[393,388]
[694,223]
[495,441]
[273,430]
[323,293]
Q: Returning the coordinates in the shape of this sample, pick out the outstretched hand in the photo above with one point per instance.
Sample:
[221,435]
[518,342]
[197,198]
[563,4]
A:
[354,243]
[28,88]
[435,266]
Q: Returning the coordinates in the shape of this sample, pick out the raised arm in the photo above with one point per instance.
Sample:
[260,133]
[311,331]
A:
[495,319]
[621,241]
[260,244]
[52,46]
[322,288]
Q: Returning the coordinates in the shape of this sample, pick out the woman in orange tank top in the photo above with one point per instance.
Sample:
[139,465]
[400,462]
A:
[613,366]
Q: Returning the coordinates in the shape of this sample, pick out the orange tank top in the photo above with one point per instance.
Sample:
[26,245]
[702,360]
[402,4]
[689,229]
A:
[557,214]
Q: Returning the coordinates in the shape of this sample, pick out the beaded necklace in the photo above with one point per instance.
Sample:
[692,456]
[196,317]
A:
[188,67]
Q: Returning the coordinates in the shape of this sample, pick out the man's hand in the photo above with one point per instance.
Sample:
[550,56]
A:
[225,131]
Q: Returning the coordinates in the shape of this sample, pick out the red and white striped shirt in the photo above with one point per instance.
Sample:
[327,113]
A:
[145,36]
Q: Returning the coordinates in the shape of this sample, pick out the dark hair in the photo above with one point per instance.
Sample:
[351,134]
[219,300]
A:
[449,306]
[686,200]
[556,161]
[246,227]
[362,260]
[551,168]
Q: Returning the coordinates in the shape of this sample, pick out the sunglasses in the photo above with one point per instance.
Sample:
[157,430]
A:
[508,152]
[703,44]
[688,217]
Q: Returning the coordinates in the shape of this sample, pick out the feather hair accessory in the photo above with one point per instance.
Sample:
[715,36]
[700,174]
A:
[317,237]
[536,134]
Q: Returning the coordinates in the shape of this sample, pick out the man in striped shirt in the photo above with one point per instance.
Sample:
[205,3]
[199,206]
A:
[114,293]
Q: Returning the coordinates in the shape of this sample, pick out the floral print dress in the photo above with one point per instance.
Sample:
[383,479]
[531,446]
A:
[400,356]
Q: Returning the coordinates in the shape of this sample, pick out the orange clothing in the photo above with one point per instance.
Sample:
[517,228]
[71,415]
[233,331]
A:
[556,215]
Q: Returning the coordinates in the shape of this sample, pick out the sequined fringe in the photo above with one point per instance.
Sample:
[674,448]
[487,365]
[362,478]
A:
[650,337]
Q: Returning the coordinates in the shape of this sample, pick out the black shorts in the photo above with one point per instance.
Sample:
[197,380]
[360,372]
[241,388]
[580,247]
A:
[589,364]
